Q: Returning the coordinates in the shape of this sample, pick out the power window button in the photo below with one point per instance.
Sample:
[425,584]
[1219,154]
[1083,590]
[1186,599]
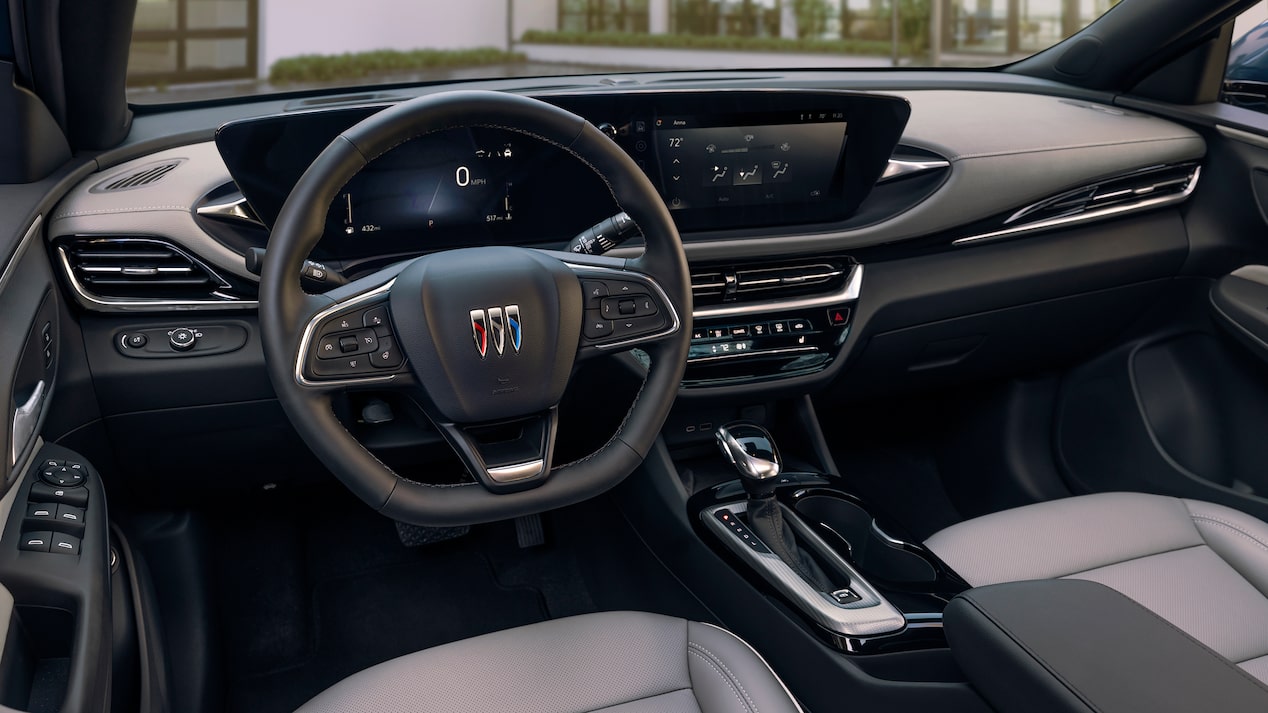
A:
[70,514]
[45,493]
[36,511]
[64,544]
[36,541]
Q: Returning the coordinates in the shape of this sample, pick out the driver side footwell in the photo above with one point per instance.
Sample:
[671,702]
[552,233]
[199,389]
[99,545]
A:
[310,593]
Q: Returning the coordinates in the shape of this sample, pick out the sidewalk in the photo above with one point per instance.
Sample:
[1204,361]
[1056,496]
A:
[633,58]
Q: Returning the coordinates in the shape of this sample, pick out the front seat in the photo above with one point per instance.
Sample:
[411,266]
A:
[615,662]
[1200,566]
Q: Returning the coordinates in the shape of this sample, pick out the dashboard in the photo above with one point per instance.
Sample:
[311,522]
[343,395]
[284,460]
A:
[807,213]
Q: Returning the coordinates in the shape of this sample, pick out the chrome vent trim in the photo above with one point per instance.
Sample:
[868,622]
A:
[905,167]
[140,177]
[744,283]
[1147,189]
[126,273]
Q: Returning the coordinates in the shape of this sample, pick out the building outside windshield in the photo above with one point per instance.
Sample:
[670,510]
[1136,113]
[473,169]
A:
[189,50]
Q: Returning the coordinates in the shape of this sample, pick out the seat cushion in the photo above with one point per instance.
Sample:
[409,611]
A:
[1201,566]
[616,662]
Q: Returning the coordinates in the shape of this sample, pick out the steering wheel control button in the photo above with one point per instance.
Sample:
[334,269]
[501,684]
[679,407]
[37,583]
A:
[594,291]
[387,356]
[348,344]
[136,340]
[64,544]
[36,541]
[182,339]
[375,317]
[45,493]
[634,326]
[596,327]
[343,366]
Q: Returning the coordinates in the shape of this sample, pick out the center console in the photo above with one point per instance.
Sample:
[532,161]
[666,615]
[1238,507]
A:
[857,581]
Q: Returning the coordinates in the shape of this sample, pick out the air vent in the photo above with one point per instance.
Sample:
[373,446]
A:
[146,175]
[1124,192]
[140,270]
[749,283]
[1141,190]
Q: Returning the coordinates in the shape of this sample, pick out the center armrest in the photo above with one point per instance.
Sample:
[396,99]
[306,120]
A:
[1071,645]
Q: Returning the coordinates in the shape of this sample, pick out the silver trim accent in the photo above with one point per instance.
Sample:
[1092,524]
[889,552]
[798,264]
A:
[872,615]
[1245,137]
[886,536]
[98,303]
[849,292]
[235,209]
[900,168]
[307,339]
[25,417]
[21,248]
[1088,215]
[749,465]
[675,322]
[518,471]
[753,353]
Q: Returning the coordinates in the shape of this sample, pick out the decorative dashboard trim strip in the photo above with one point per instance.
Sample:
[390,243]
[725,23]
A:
[902,168]
[21,248]
[1088,216]
[849,292]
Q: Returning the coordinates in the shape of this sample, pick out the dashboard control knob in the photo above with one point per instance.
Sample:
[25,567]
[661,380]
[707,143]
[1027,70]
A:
[183,339]
[608,130]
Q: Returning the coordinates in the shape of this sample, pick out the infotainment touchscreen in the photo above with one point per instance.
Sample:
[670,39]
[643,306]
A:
[773,159]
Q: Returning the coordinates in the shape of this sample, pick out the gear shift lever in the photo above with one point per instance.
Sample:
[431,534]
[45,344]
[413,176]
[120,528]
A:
[752,451]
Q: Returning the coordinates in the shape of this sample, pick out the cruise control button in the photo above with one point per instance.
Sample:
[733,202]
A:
[375,316]
[619,288]
[387,356]
[64,544]
[328,348]
[348,321]
[36,541]
[343,366]
[348,344]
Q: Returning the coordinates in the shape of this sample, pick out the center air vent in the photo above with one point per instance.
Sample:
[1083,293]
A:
[748,283]
[146,175]
[127,270]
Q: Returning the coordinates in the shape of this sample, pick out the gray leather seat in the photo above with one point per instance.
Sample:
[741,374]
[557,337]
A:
[615,662]
[1201,566]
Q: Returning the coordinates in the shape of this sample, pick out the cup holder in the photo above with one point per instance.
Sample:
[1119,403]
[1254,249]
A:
[874,553]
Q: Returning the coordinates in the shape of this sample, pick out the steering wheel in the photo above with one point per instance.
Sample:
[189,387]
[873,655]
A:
[484,339]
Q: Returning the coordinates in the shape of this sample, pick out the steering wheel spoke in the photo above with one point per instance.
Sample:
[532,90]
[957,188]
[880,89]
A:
[352,344]
[509,455]
[624,309]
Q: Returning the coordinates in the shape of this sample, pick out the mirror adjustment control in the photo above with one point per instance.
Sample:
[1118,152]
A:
[67,475]
[182,338]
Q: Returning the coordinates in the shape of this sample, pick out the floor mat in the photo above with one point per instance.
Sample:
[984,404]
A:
[335,593]
[311,592]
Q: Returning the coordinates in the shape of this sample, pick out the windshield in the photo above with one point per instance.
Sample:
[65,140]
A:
[190,50]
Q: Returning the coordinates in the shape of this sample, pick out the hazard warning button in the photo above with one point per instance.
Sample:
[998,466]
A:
[838,317]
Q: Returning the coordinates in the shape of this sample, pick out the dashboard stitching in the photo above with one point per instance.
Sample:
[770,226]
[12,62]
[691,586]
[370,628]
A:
[1068,147]
[135,209]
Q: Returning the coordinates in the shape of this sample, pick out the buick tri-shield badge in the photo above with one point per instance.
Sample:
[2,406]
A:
[497,323]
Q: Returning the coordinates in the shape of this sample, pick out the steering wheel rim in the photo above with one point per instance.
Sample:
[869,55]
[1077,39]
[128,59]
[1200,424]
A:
[285,309]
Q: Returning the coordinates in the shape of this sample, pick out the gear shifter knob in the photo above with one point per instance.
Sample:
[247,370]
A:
[752,451]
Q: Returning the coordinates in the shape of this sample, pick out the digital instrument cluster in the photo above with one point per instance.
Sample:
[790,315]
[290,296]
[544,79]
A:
[722,161]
